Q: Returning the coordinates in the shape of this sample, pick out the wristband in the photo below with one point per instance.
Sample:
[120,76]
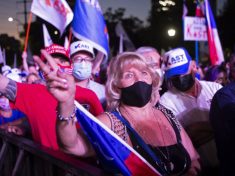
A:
[72,117]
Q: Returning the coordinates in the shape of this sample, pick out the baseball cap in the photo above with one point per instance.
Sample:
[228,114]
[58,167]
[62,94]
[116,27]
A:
[77,46]
[6,69]
[176,62]
[14,74]
[57,50]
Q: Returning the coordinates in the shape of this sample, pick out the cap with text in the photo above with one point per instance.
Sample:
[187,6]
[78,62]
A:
[176,61]
[57,50]
[78,46]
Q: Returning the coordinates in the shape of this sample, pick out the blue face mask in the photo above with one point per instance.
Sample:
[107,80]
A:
[82,70]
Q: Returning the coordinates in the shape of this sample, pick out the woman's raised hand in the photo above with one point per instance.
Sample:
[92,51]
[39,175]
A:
[59,84]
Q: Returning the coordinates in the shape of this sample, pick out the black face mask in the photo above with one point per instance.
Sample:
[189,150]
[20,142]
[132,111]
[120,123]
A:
[183,83]
[138,94]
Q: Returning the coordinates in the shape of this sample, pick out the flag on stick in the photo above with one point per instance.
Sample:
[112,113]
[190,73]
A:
[47,38]
[89,25]
[185,10]
[56,12]
[66,43]
[1,56]
[4,56]
[215,49]
[124,38]
[15,61]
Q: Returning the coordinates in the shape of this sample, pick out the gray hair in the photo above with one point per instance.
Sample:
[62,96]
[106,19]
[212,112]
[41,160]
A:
[146,49]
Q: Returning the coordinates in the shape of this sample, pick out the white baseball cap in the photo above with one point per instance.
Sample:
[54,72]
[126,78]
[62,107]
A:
[6,69]
[177,62]
[81,46]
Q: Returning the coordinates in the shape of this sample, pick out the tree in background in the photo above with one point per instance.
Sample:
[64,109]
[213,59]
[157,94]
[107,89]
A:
[226,26]
[132,26]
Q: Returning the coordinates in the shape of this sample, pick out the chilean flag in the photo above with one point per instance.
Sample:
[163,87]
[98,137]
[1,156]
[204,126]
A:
[215,49]
[89,25]
[115,154]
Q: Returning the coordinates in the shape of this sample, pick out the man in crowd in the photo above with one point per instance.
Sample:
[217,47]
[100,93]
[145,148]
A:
[189,99]
[153,58]
[232,68]
[39,105]
[223,120]
[82,56]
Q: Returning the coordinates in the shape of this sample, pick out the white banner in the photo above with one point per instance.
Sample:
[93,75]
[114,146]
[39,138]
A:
[195,29]
[47,38]
[56,12]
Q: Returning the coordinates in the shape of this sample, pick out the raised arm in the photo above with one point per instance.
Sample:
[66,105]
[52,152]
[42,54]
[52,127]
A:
[62,87]
[25,64]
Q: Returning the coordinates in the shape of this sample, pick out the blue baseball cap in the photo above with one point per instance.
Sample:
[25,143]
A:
[176,62]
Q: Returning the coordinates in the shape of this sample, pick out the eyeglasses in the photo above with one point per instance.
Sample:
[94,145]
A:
[154,65]
[80,59]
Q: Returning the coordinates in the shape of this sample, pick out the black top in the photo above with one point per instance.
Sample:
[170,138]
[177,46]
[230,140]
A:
[174,158]
[222,118]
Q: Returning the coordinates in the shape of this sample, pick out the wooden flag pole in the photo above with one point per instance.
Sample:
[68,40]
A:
[27,32]
[70,37]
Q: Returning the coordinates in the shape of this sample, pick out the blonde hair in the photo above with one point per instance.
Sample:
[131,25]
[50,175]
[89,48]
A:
[113,93]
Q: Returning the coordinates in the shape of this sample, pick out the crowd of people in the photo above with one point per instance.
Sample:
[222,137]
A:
[181,112]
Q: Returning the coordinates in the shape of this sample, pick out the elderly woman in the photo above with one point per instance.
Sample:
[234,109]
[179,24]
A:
[131,88]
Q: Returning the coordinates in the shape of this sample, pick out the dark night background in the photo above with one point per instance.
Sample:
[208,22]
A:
[153,33]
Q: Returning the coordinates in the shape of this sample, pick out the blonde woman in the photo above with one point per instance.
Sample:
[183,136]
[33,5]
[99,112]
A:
[130,97]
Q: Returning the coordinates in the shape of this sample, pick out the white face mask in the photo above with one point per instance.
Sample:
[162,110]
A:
[161,75]
[82,70]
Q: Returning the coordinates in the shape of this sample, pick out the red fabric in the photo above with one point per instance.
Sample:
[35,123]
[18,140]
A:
[40,108]
[137,167]
[212,48]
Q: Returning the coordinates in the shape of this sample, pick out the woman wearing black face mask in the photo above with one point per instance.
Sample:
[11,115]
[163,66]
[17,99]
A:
[131,95]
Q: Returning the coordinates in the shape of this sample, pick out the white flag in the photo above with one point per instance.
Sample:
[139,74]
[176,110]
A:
[4,56]
[46,36]
[123,38]
[1,56]
[121,43]
[185,10]
[56,12]
[15,61]
[66,43]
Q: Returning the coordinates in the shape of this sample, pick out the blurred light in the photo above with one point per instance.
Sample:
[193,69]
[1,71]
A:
[162,3]
[10,19]
[165,8]
[56,32]
[167,3]
[171,32]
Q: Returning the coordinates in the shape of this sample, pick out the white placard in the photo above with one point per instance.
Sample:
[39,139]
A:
[195,29]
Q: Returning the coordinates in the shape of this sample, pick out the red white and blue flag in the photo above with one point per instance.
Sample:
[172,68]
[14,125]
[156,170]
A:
[89,25]
[112,151]
[199,9]
[215,49]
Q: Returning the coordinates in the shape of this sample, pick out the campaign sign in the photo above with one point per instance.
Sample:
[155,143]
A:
[195,29]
